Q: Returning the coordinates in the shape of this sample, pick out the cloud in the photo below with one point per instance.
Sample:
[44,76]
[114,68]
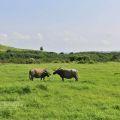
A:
[18,36]
[14,36]
[90,40]
[69,40]
[22,40]
[3,36]
[39,36]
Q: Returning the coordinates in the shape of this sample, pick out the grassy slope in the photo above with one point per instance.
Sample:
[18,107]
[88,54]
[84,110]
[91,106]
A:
[95,97]
[5,48]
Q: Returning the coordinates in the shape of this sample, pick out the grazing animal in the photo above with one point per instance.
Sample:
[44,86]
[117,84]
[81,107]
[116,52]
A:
[67,73]
[38,73]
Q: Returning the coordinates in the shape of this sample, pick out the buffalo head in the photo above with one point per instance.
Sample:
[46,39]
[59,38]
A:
[46,73]
[57,71]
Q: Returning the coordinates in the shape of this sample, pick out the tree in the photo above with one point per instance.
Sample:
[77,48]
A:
[41,48]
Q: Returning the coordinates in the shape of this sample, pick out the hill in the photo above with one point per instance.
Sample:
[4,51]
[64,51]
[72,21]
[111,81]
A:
[15,55]
[5,48]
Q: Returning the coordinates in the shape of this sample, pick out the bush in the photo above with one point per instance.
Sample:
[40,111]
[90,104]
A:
[30,61]
[67,61]
[115,57]
[9,50]
[72,58]
[84,59]
[62,53]
[56,61]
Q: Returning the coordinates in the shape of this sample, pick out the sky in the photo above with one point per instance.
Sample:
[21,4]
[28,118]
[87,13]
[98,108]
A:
[61,25]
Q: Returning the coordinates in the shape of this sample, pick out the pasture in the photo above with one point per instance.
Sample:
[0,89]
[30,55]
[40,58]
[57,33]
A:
[96,96]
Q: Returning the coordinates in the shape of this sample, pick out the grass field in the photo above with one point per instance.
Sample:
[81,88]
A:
[96,96]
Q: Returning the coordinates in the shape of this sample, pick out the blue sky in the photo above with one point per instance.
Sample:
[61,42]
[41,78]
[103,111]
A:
[61,25]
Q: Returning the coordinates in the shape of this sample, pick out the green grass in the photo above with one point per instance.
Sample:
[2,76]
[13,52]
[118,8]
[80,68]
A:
[4,48]
[96,96]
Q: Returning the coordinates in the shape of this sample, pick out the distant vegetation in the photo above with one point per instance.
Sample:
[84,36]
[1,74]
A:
[13,55]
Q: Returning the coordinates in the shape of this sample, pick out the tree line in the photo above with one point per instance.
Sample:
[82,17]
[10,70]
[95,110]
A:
[34,56]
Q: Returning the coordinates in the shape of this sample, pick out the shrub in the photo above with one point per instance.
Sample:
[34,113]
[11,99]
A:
[30,61]
[8,50]
[62,53]
[84,59]
[67,61]
[56,61]
[72,58]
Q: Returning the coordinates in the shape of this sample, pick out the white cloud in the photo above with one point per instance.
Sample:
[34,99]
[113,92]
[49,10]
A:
[14,36]
[3,36]
[39,36]
[18,36]
[90,40]
[69,40]
[22,40]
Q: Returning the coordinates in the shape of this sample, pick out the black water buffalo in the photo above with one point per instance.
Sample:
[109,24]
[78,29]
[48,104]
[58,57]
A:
[38,73]
[67,73]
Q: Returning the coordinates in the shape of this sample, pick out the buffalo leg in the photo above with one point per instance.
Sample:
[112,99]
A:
[31,78]
[42,78]
[63,79]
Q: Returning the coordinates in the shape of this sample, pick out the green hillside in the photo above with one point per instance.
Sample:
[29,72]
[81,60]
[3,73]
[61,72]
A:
[5,48]
[15,55]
